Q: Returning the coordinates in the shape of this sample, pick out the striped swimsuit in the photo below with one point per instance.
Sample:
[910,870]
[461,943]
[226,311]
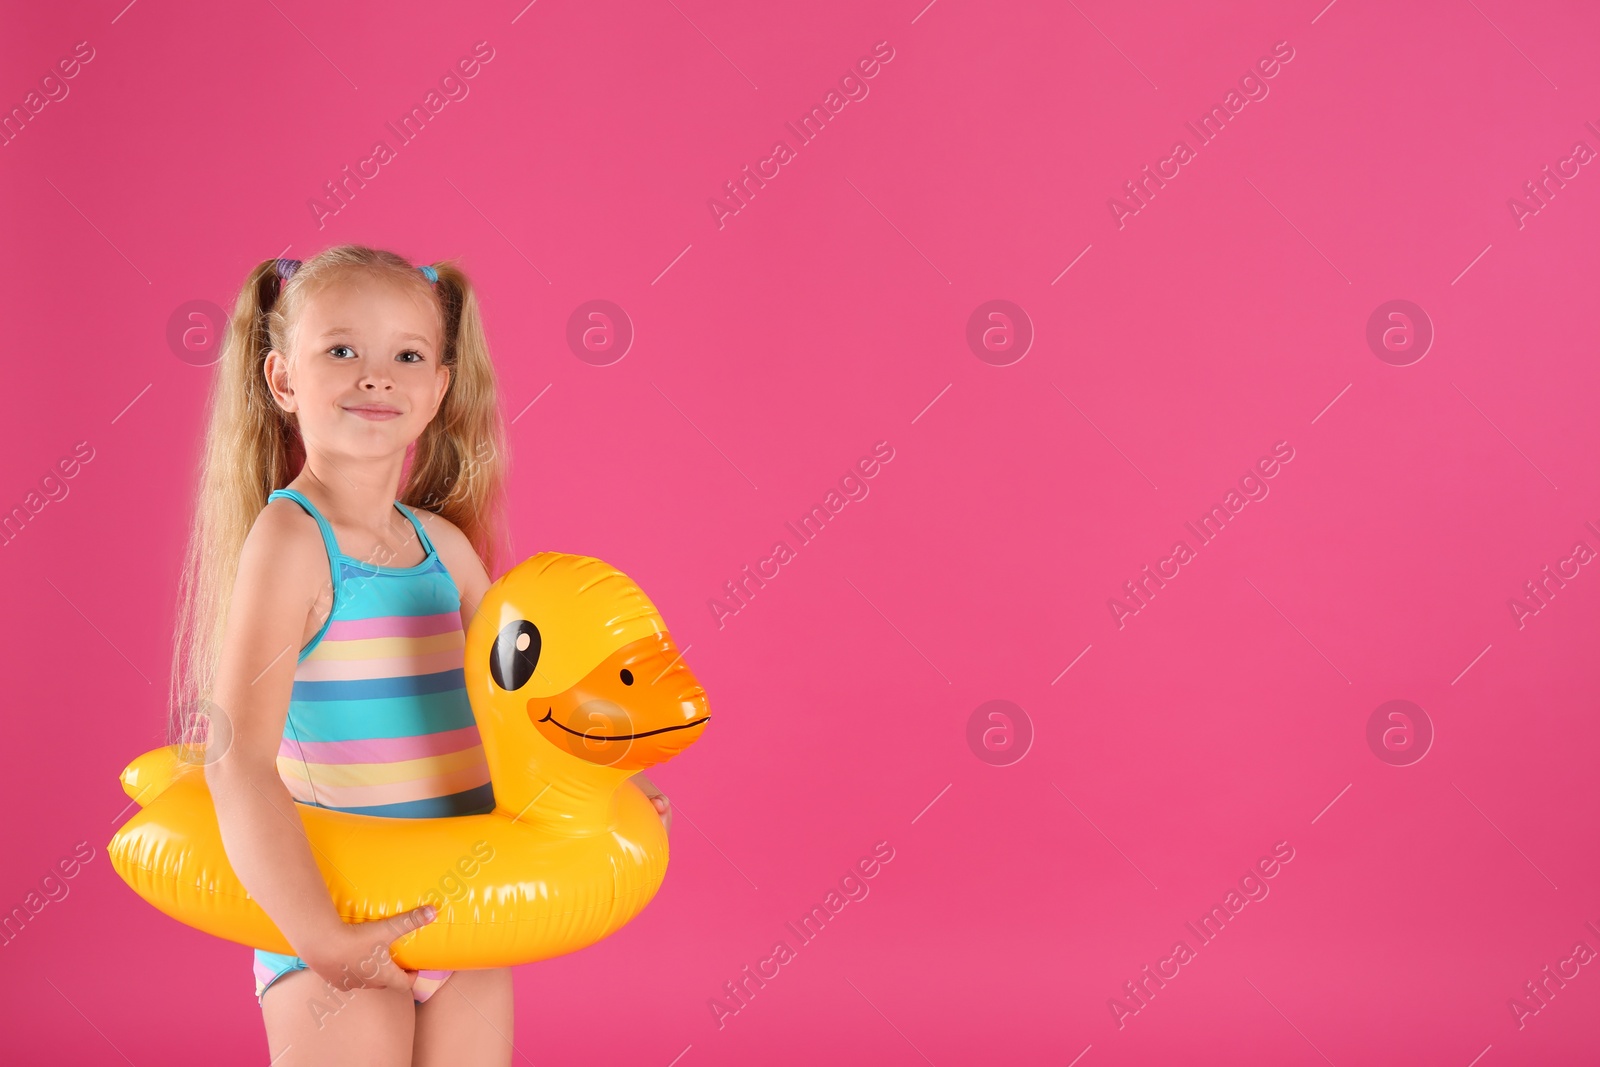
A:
[379,722]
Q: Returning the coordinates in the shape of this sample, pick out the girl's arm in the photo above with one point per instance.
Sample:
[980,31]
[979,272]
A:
[283,572]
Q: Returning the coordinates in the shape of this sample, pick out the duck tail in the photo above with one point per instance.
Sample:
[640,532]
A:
[148,776]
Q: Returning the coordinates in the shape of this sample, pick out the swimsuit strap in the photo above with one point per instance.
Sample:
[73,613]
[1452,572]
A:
[427,545]
[327,529]
[322,524]
[334,567]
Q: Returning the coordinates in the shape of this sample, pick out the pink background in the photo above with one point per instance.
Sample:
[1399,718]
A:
[829,314]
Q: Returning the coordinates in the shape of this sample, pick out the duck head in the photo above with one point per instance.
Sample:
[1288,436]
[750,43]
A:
[576,684]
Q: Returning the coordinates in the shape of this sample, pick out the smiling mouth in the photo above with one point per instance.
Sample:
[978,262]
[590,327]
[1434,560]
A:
[620,737]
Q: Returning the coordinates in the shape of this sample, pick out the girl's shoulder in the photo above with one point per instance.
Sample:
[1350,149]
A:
[284,531]
[283,565]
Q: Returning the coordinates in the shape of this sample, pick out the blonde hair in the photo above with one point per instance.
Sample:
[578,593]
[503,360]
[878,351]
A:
[252,446]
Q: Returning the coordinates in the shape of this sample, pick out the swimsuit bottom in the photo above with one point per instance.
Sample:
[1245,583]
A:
[271,966]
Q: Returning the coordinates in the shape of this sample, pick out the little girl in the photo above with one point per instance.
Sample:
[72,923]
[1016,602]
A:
[322,626]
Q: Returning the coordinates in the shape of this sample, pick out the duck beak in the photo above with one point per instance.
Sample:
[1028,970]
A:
[638,708]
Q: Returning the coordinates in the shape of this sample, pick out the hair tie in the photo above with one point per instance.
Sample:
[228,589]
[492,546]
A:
[287,267]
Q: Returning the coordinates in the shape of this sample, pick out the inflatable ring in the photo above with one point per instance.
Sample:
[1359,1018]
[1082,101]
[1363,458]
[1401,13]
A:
[576,685]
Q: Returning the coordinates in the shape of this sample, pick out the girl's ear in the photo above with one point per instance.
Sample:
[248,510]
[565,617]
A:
[276,370]
[443,386]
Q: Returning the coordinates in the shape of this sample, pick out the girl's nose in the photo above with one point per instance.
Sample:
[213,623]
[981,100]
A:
[376,376]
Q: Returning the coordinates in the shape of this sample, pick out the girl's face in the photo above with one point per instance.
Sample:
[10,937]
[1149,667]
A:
[365,376]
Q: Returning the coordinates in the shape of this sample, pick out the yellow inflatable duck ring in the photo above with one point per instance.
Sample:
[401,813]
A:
[576,685]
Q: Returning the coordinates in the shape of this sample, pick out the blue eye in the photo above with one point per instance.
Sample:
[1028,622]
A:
[416,357]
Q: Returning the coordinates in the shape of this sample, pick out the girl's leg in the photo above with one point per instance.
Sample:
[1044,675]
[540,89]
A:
[312,1024]
[466,1022]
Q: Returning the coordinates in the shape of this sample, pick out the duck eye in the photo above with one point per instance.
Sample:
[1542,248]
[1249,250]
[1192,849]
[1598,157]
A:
[627,676]
[515,655]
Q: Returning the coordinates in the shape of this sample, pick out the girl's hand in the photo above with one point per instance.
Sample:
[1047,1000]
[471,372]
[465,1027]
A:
[658,798]
[357,955]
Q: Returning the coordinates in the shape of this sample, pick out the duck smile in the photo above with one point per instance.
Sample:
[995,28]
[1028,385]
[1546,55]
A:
[614,715]
[620,737]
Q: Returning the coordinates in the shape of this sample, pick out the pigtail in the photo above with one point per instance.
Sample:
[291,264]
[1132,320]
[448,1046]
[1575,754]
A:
[250,448]
[459,466]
